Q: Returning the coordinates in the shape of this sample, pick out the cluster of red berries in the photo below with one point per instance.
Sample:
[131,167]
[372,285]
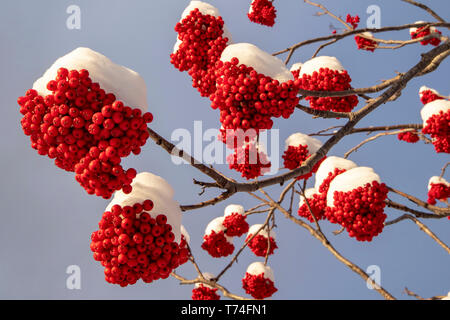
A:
[427,96]
[249,161]
[437,126]
[202,43]
[262,12]
[423,32]
[354,21]
[236,224]
[217,244]
[328,80]
[294,156]
[132,245]
[86,130]
[409,136]
[204,293]
[317,202]
[247,99]
[360,211]
[258,286]
[365,44]
[234,138]
[260,244]
[438,191]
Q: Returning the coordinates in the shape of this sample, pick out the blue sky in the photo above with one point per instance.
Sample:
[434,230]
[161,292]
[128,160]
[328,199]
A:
[47,218]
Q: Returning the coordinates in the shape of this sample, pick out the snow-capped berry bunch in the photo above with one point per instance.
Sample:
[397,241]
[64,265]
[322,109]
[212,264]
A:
[326,74]
[235,221]
[201,40]
[215,240]
[139,239]
[72,119]
[330,168]
[252,87]
[298,148]
[262,12]
[184,243]
[438,188]
[250,160]
[364,42]
[436,123]
[295,69]
[259,281]
[315,202]
[428,95]
[408,136]
[262,240]
[424,31]
[354,21]
[355,200]
[203,291]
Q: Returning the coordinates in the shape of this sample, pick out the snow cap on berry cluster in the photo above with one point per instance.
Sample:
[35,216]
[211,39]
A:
[350,180]
[207,276]
[425,88]
[257,268]
[147,185]
[216,225]
[185,234]
[316,63]
[328,165]
[308,193]
[433,108]
[263,232]
[261,61]
[296,66]
[127,85]
[437,180]
[298,139]
[414,29]
[205,9]
[234,208]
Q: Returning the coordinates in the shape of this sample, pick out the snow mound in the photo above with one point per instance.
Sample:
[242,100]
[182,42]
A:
[257,268]
[308,193]
[263,62]
[216,225]
[185,234]
[147,185]
[126,84]
[234,208]
[437,180]
[298,139]
[349,180]
[315,64]
[254,228]
[433,108]
[207,276]
[296,66]
[328,165]
[425,88]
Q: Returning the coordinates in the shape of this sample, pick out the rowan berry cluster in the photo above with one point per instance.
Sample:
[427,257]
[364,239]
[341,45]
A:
[364,43]
[425,31]
[258,286]
[437,126]
[202,292]
[86,130]
[409,136]
[249,161]
[262,12]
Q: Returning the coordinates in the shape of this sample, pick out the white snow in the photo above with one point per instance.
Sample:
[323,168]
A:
[425,88]
[296,66]
[328,165]
[257,268]
[126,84]
[308,193]
[234,208]
[298,139]
[207,276]
[146,185]
[316,63]
[254,229]
[447,297]
[185,234]
[349,180]
[433,108]
[437,180]
[216,225]
[261,61]
[413,29]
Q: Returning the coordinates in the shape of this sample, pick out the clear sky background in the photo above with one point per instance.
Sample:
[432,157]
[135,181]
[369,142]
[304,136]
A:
[47,218]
